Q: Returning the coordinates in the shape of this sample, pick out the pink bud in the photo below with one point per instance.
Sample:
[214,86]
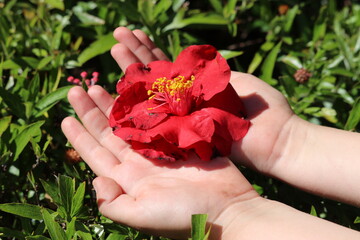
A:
[95,74]
[94,80]
[76,81]
[88,82]
[83,74]
[70,78]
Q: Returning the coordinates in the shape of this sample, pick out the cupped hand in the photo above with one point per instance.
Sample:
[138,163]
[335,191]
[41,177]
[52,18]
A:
[267,109]
[156,197]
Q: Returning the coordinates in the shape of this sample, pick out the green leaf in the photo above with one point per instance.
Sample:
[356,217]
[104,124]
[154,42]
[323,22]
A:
[22,210]
[59,4]
[230,8]
[357,220]
[115,236]
[67,186]
[50,100]
[342,72]
[84,235]
[268,66]
[77,200]
[4,124]
[313,211]
[10,64]
[70,228]
[320,25]
[55,231]
[11,234]
[146,9]
[258,189]
[52,190]
[343,46]
[198,226]
[34,88]
[227,54]
[255,62]
[354,116]
[198,19]
[103,44]
[37,237]
[290,16]
[44,62]
[216,4]
[22,139]
[87,18]
[82,231]
[161,7]
[292,61]
[14,102]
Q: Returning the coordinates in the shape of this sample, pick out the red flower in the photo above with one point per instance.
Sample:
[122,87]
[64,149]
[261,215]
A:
[166,110]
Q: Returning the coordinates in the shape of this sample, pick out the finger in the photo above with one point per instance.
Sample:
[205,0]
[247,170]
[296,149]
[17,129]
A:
[96,122]
[102,99]
[114,203]
[159,54]
[123,56]
[129,39]
[99,159]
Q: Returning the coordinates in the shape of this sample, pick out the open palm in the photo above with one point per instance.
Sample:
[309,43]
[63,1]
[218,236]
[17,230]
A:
[156,197]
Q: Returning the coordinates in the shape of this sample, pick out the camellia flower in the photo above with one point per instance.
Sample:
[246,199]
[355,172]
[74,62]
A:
[167,110]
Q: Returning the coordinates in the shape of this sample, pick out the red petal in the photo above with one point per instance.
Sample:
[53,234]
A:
[228,124]
[211,71]
[227,100]
[129,133]
[159,150]
[204,150]
[187,130]
[131,109]
[138,72]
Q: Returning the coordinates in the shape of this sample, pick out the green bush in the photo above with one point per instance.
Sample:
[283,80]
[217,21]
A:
[308,50]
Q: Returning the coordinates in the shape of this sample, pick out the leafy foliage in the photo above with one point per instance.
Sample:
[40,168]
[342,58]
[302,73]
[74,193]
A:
[45,191]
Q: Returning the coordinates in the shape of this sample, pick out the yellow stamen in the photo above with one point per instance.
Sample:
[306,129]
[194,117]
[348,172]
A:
[175,86]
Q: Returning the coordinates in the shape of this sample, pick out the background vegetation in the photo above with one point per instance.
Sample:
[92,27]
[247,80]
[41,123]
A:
[309,50]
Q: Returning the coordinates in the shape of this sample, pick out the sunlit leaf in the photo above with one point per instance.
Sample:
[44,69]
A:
[268,66]
[4,123]
[23,138]
[292,61]
[77,200]
[198,226]
[50,100]
[227,54]
[22,210]
[354,116]
[59,4]
[290,16]
[66,187]
[313,211]
[255,62]
[55,231]
[100,46]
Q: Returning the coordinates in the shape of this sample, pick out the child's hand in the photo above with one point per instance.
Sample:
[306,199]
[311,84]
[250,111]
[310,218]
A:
[156,197]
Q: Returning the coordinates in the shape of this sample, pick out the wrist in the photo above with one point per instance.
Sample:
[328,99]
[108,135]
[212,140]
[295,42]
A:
[237,216]
[289,148]
[260,218]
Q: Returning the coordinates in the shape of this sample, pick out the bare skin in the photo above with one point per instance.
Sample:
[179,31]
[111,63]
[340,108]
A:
[159,198]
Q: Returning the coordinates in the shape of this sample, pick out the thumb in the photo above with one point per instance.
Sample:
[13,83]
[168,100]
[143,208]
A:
[114,203]
[106,190]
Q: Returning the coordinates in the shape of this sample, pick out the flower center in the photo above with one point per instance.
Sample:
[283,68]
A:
[175,94]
